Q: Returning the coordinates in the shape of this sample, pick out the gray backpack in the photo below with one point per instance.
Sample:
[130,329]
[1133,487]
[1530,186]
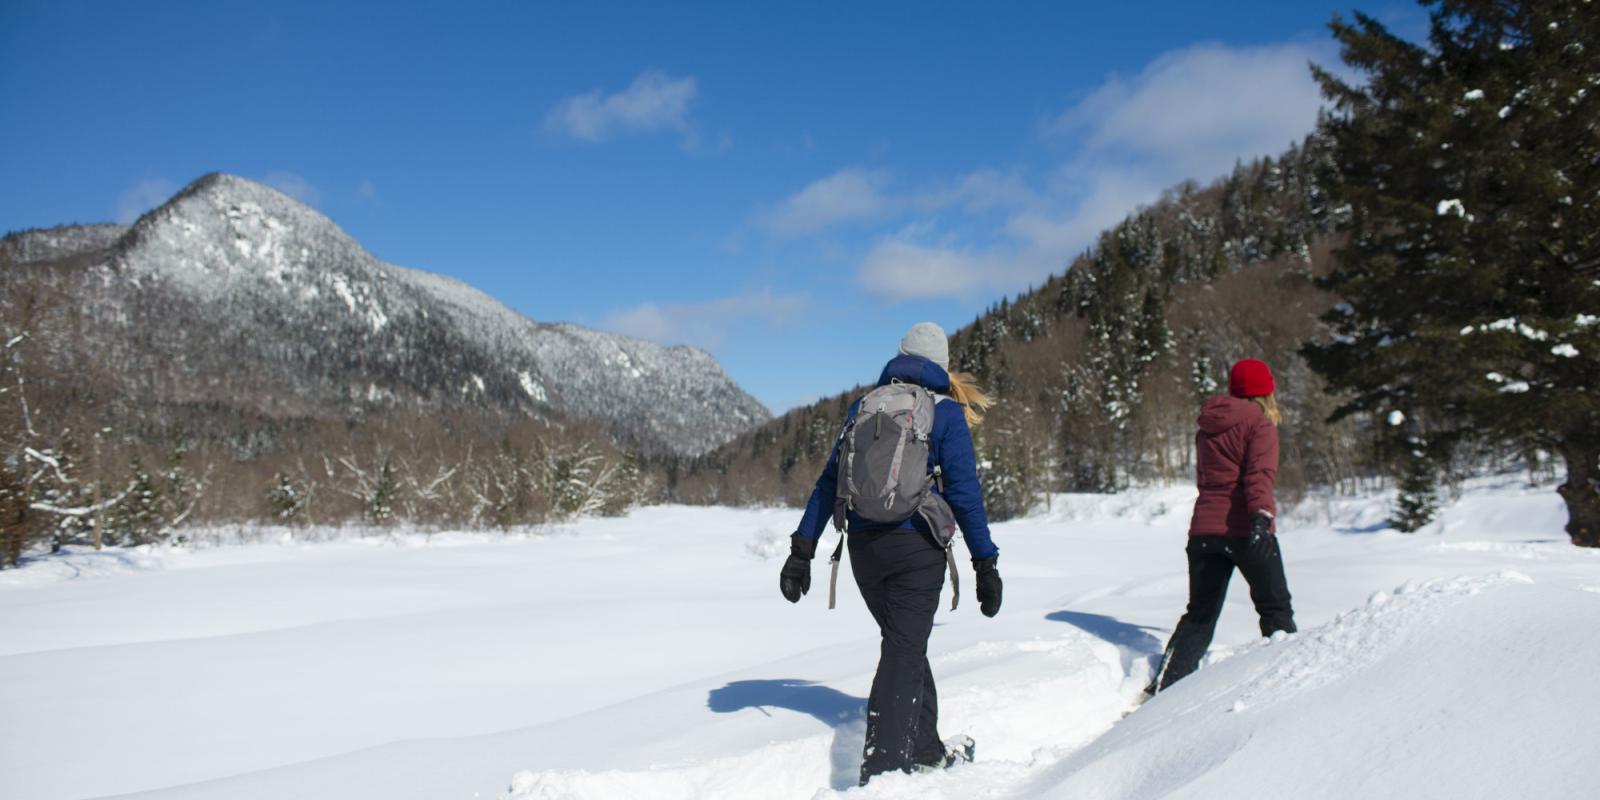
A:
[883,473]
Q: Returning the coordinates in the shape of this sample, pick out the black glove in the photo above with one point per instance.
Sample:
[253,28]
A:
[989,585]
[795,579]
[1260,543]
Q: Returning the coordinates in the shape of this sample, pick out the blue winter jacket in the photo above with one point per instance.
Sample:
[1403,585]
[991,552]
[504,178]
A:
[950,447]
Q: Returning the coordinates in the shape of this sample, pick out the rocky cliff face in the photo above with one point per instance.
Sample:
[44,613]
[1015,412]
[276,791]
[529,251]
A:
[234,296]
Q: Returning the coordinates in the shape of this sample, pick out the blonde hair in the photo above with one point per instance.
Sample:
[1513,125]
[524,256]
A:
[974,401]
[1269,404]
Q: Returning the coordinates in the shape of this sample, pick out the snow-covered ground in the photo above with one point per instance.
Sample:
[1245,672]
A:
[652,657]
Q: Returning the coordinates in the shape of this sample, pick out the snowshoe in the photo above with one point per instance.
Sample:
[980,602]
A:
[1144,697]
[959,749]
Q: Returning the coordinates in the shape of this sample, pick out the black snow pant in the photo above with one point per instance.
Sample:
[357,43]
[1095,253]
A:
[1211,563]
[900,574]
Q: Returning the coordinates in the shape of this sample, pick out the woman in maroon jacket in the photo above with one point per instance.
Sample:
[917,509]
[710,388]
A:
[1236,455]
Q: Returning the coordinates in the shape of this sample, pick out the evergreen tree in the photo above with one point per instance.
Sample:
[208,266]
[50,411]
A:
[18,523]
[506,487]
[1202,376]
[1417,502]
[138,518]
[181,490]
[1087,438]
[1471,270]
[286,502]
[566,476]
[380,505]
[1014,465]
[630,486]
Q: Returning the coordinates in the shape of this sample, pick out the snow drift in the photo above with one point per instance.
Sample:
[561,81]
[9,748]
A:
[651,657]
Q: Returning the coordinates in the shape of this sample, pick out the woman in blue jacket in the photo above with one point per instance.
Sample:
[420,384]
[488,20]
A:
[900,567]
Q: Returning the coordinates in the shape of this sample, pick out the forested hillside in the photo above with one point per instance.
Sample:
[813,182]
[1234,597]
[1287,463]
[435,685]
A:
[1100,370]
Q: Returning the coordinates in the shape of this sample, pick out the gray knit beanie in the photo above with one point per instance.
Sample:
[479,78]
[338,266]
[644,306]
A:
[927,340]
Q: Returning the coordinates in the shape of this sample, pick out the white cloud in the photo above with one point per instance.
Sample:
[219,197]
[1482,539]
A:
[898,269]
[847,195]
[978,191]
[655,101]
[708,324]
[1191,114]
[1033,242]
[295,186]
[142,197]
[854,194]
[1104,199]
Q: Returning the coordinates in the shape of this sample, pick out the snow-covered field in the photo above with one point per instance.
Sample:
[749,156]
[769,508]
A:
[652,657]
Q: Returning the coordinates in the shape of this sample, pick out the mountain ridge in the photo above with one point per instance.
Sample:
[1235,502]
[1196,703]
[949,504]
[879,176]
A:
[234,293]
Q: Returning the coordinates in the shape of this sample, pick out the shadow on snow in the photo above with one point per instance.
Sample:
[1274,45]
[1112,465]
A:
[845,714]
[1134,642]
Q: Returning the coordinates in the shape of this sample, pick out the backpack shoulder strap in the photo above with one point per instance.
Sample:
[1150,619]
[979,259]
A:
[955,583]
[833,579]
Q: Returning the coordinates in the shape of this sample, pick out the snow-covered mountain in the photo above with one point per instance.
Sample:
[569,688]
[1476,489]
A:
[234,295]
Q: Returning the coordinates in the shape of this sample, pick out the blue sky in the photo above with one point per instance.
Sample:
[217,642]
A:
[788,186]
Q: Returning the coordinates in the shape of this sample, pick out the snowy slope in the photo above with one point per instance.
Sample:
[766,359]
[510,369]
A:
[652,657]
[234,290]
[1463,687]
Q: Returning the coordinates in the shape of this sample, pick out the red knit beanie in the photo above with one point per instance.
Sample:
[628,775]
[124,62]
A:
[1250,378]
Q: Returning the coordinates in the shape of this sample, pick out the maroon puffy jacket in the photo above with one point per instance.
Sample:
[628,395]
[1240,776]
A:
[1236,462]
